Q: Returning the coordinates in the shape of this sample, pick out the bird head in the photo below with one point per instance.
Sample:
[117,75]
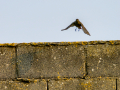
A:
[77,20]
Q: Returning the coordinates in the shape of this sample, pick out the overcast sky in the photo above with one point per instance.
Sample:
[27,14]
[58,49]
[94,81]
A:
[42,20]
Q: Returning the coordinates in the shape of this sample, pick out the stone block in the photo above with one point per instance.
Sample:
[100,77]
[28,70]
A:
[103,60]
[17,85]
[51,61]
[7,63]
[82,84]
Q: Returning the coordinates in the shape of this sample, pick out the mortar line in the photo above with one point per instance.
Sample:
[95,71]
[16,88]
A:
[116,84]
[47,85]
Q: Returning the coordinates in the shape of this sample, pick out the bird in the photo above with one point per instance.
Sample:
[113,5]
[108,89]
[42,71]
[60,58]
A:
[78,24]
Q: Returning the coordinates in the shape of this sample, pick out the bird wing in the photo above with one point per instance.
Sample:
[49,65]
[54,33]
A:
[85,30]
[71,25]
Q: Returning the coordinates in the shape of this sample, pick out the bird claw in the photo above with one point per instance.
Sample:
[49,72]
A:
[76,29]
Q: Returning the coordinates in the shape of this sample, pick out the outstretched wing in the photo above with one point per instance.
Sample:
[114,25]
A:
[85,30]
[71,25]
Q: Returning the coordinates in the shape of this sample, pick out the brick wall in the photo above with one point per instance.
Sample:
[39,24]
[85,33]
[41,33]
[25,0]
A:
[93,65]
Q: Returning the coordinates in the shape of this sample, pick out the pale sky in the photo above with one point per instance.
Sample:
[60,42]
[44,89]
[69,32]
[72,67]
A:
[42,20]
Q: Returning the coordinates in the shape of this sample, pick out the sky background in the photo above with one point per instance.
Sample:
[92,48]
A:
[42,20]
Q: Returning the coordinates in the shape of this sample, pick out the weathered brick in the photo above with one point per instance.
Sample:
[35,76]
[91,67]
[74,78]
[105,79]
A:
[7,63]
[17,85]
[51,61]
[103,60]
[82,84]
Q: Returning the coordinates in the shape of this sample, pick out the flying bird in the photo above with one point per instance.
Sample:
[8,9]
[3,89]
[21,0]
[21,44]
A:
[78,24]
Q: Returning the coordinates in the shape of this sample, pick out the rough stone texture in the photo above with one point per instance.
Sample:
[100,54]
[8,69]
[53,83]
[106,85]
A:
[51,61]
[82,84]
[66,84]
[7,63]
[17,85]
[25,57]
[100,84]
[62,64]
[103,60]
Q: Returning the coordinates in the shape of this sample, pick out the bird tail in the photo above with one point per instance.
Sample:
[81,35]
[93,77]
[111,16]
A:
[85,31]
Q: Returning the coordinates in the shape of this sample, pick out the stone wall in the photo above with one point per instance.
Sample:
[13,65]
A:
[93,65]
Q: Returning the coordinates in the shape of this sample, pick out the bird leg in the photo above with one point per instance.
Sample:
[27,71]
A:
[76,29]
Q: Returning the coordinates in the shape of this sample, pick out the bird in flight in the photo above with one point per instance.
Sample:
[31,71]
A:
[78,24]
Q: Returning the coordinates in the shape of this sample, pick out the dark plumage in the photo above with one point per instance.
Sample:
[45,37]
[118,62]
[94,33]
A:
[78,24]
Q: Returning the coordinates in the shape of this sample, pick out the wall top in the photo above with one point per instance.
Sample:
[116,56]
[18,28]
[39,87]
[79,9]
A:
[110,42]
